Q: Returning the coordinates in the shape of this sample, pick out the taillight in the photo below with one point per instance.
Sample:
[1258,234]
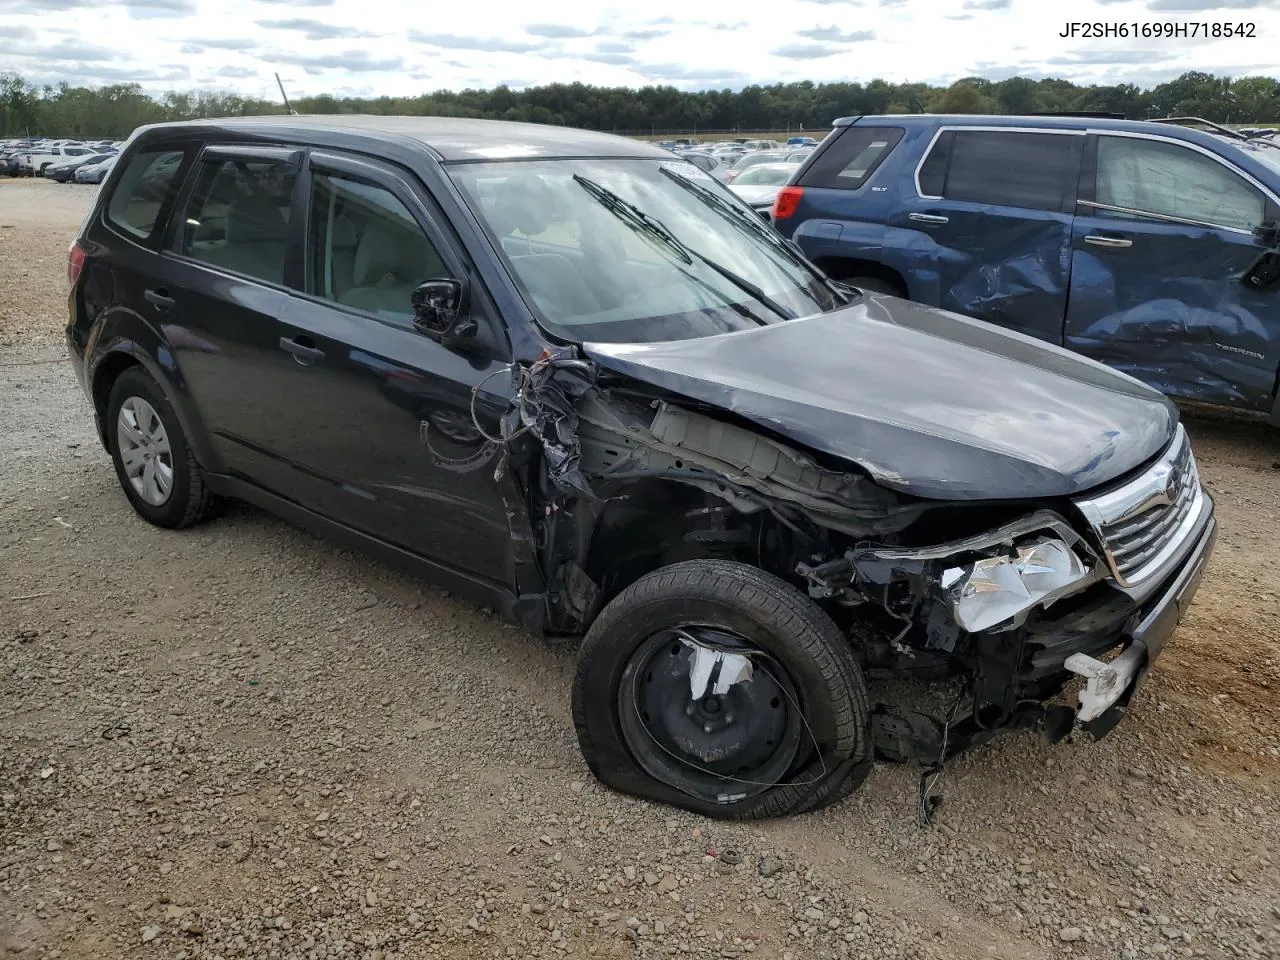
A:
[75,262]
[786,202]
[729,175]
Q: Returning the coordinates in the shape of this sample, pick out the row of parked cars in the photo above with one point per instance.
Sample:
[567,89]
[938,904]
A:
[753,169]
[65,161]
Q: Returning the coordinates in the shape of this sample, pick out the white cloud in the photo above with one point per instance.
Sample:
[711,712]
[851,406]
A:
[394,47]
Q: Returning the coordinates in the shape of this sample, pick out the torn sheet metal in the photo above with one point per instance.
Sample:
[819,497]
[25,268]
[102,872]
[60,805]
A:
[732,462]
[993,416]
[546,405]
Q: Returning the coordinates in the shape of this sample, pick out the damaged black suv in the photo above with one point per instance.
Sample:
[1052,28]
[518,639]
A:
[571,376]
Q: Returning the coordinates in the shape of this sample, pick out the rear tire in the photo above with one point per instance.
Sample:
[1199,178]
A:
[784,630]
[153,462]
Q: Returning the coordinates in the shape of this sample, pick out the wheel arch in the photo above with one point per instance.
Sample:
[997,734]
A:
[116,354]
[649,523]
[844,268]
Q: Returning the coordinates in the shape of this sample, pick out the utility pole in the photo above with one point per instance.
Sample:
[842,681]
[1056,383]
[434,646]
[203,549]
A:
[288,109]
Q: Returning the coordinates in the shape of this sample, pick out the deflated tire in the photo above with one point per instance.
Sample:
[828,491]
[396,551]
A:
[722,689]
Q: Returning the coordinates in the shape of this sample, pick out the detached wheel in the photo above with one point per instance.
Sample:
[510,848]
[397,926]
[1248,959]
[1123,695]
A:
[153,463]
[720,688]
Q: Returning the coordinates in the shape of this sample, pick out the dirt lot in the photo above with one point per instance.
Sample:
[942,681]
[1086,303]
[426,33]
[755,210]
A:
[240,741]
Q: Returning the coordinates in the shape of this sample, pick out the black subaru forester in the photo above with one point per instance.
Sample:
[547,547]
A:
[571,376]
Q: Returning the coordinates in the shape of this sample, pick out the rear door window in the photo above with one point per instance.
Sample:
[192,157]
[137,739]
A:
[852,157]
[145,187]
[1035,171]
[1173,181]
[238,216]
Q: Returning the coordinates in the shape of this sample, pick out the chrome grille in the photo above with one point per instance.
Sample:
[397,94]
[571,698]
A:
[1146,522]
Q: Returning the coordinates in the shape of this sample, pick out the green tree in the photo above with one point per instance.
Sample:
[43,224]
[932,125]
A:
[1018,95]
[1257,99]
[116,109]
[961,97]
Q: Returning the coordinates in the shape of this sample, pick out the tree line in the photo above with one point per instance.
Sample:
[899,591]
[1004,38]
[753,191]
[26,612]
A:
[114,110]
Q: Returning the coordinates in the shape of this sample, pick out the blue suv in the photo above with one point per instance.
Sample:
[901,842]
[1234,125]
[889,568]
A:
[1149,246]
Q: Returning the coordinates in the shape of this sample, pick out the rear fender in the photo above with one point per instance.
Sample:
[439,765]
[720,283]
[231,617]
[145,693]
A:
[121,338]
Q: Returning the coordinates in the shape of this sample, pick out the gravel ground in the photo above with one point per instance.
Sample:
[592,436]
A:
[241,741]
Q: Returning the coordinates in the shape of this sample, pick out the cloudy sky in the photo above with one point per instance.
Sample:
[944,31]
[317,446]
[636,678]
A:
[358,47]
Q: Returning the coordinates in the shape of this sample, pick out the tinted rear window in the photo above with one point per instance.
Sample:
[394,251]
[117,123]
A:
[1035,171]
[144,188]
[852,157]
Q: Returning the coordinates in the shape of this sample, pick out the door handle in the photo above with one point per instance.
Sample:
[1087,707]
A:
[1116,242]
[928,218]
[305,353]
[159,299]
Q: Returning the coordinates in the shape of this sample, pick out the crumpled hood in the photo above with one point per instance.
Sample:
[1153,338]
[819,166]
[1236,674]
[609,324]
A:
[928,402]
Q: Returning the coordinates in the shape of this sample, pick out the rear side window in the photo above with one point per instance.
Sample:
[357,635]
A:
[144,188]
[1035,171]
[852,157]
[238,216]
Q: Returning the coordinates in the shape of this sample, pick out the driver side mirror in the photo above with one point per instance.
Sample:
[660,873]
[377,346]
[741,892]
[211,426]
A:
[438,310]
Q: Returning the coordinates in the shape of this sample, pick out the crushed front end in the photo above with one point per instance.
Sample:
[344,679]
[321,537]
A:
[1091,588]
[1002,602]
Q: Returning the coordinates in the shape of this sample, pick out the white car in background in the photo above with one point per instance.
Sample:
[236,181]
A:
[38,158]
[759,185]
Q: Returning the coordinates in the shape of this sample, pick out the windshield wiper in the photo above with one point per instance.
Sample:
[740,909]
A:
[756,225]
[654,227]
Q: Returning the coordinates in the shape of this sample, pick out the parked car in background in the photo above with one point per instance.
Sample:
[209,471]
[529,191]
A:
[801,142]
[1149,246]
[65,172]
[575,380]
[703,161]
[11,157]
[758,186]
[95,172]
[749,160]
[37,158]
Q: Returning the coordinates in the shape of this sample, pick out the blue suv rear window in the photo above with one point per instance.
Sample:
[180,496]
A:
[850,157]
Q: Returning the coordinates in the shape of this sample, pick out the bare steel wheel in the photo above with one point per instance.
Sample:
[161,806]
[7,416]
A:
[709,714]
[718,687]
[155,466]
[145,451]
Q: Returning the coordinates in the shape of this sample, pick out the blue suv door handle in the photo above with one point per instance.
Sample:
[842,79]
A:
[928,218]
[1098,241]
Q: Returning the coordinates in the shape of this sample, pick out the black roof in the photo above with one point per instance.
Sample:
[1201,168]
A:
[450,138]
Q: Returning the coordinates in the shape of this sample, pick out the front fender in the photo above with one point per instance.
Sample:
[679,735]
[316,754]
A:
[120,333]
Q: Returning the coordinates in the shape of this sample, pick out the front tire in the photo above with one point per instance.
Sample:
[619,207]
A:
[717,687]
[153,462]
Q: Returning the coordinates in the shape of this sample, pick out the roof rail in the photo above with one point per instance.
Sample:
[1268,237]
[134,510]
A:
[1092,114]
[1193,121]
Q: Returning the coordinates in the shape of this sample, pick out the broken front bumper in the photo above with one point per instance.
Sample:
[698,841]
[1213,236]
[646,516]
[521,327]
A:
[1110,685]
[1107,637]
